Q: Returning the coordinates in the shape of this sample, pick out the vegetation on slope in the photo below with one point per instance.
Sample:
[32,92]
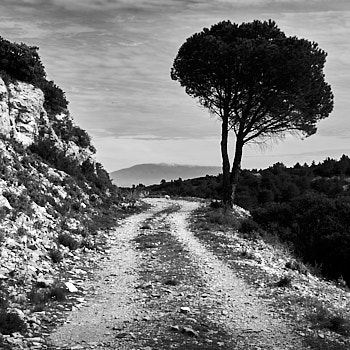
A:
[51,201]
[306,205]
[22,62]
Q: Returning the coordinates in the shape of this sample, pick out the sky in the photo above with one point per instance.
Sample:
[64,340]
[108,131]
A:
[113,59]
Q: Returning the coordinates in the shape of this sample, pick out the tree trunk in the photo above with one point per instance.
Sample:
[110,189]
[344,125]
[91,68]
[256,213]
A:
[226,186]
[236,169]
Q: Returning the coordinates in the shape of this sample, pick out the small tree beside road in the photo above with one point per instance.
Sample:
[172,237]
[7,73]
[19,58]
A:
[260,83]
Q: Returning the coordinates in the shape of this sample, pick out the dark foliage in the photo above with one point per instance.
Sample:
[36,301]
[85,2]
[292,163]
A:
[55,99]
[56,255]
[306,206]
[67,131]
[10,322]
[317,226]
[259,82]
[276,184]
[68,240]
[47,149]
[22,62]
[96,175]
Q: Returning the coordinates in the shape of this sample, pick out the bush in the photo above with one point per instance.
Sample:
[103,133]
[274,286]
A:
[317,226]
[56,256]
[11,322]
[88,243]
[248,226]
[280,213]
[57,293]
[296,266]
[67,131]
[68,241]
[21,62]
[20,203]
[334,321]
[222,218]
[55,99]
[40,296]
[284,281]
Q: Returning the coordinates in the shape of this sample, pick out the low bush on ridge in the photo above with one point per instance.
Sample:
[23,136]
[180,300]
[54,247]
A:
[317,226]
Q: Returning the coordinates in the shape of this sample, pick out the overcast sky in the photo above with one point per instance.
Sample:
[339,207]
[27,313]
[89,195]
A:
[113,60]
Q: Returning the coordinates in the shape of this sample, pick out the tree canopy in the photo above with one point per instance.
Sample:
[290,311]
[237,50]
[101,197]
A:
[22,62]
[258,81]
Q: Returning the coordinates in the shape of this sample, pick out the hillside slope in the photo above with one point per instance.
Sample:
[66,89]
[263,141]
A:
[55,199]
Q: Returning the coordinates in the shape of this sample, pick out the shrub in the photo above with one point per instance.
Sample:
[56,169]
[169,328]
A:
[284,281]
[336,322]
[55,99]
[222,218]
[279,213]
[57,293]
[21,62]
[67,131]
[56,256]
[317,226]
[88,243]
[11,322]
[38,297]
[296,266]
[47,149]
[249,226]
[68,241]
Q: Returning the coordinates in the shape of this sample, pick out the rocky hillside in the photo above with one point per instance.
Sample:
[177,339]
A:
[55,199]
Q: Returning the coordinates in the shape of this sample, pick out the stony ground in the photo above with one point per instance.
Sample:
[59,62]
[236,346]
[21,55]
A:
[162,284]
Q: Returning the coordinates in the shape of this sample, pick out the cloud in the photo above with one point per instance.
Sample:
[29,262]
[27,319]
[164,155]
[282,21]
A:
[163,6]
[113,60]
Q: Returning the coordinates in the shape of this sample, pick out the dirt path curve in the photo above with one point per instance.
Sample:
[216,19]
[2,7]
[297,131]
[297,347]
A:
[111,300]
[227,300]
[242,312]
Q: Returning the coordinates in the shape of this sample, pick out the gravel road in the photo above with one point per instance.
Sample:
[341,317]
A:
[115,315]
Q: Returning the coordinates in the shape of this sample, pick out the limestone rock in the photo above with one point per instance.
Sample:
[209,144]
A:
[6,125]
[71,287]
[25,112]
[4,203]
[22,115]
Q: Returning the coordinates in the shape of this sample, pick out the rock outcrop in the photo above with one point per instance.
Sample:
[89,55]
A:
[21,111]
[22,116]
[52,205]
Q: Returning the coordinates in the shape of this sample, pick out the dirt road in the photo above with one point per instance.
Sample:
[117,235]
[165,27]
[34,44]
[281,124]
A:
[160,288]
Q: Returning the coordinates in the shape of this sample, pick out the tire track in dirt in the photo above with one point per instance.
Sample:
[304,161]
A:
[132,308]
[111,304]
[241,312]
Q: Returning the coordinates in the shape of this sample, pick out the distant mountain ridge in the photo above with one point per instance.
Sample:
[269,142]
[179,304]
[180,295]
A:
[149,174]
